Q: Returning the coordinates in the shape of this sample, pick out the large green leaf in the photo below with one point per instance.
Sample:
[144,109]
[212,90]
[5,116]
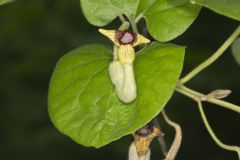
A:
[83,103]
[236,50]
[167,19]
[3,2]
[229,8]
[102,12]
[144,6]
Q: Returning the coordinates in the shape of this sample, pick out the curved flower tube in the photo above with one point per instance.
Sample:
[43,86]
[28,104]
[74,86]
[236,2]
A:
[128,91]
[132,153]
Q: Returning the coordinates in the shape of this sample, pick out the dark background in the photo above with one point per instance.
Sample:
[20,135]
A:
[34,34]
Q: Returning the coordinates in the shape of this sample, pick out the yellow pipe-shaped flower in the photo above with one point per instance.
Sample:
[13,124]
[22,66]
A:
[125,40]
[121,69]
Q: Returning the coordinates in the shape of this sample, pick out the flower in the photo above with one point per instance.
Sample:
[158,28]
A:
[121,69]
[125,41]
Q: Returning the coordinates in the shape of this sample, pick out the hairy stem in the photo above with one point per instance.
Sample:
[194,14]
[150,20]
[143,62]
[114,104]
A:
[212,134]
[201,97]
[213,58]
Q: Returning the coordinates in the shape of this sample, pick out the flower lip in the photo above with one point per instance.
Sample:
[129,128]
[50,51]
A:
[126,37]
[144,131]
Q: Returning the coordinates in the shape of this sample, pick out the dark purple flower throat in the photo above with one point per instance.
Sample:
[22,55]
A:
[126,37]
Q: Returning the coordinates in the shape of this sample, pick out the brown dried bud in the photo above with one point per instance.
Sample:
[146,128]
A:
[143,138]
[219,94]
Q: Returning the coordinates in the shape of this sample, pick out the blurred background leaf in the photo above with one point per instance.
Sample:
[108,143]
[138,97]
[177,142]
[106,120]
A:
[236,50]
[34,34]
[3,2]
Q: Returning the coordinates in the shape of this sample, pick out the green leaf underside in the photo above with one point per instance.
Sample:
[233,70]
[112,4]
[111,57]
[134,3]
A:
[3,2]
[144,6]
[167,19]
[102,12]
[83,103]
[229,8]
[236,50]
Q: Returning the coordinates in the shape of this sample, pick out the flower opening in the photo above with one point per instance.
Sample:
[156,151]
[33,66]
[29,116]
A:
[125,41]
[126,37]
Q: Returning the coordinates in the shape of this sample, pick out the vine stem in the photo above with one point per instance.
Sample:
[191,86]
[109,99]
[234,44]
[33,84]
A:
[160,137]
[213,58]
[134,26]
[212,134]
[122,19]
[177,140]
[138,18]
[201,97]
[133,23]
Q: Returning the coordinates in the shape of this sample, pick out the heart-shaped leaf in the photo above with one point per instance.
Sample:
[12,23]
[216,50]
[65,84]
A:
[167,19]
[236,50]
[83,102]
[102,12]
[229,8]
